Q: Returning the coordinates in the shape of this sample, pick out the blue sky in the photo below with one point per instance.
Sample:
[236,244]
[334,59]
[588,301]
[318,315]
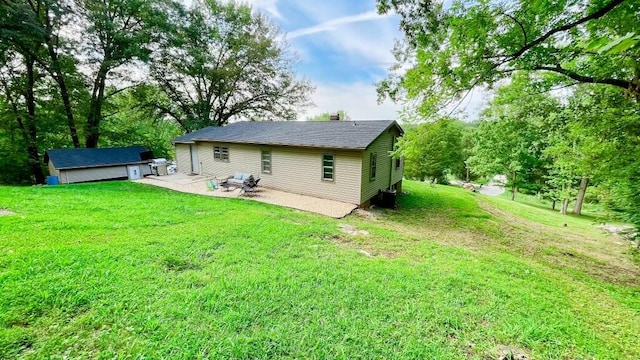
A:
[344,49]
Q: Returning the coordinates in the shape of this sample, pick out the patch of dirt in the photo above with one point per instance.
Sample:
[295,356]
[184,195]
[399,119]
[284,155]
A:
[510,353]
[365,214]
[365,253]
[6,212]
[352,230]
[363,249]
[171,263]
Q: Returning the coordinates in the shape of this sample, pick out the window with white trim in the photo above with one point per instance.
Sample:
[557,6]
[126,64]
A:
[373,166]
[221,153]
[328,166]
[266,161]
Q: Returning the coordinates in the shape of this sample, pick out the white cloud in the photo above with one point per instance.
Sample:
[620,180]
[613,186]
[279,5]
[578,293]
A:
[359,100]
[334,24]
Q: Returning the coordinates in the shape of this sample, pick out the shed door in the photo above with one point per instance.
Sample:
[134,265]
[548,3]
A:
[194,160]
[134,172]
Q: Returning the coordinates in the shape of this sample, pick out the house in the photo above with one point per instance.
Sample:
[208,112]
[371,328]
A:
[82,165]
[347,161]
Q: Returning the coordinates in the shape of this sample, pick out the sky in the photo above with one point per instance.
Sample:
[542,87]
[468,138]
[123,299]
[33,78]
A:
[344,48]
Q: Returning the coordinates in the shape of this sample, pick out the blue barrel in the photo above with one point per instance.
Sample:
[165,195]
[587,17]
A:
[52,180]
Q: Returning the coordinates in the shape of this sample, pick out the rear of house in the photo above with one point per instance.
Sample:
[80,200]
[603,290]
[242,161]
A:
[338,160]
[84,165]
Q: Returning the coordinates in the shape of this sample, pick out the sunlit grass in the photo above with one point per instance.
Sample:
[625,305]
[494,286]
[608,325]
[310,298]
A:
[125,270]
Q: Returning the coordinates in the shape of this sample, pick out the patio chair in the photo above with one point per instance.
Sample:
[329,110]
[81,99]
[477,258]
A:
[249,185]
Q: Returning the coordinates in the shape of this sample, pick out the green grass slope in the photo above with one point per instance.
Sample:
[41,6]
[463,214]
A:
[130,271]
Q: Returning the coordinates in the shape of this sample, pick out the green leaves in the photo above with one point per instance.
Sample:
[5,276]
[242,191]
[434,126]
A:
[222,62]
[449,51]
[613,46]
[433,149]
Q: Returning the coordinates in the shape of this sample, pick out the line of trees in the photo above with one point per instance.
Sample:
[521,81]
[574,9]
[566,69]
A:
[556,147]
[565,120]
[89,73]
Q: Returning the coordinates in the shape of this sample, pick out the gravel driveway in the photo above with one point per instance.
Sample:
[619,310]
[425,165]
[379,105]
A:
[196,184]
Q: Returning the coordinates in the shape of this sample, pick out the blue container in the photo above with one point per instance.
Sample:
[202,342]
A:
[52,180]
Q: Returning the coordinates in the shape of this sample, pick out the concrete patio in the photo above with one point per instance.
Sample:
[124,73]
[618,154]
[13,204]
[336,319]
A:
[197,184]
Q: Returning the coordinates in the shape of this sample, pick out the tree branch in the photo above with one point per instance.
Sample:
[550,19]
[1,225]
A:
[598,14]
[585,79]
[524,32]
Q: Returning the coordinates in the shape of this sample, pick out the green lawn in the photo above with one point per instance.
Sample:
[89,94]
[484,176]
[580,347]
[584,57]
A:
[123,270]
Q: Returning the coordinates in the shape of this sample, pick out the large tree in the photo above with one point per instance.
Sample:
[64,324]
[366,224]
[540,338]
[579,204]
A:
[452,49]
[25,22]
[118,33]
[433,149]
[223,61]
[513,133]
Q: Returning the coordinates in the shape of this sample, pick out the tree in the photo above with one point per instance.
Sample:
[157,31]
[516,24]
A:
[222,61]
[18,80]
[608,125]
[130,119]
[40,21]
[342,115]
[119,33]
[433,149]
[513,131]
[451,50]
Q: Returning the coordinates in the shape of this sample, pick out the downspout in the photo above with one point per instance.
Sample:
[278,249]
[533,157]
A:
[390,171]
[391,162]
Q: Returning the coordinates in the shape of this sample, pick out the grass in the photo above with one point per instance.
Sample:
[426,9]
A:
[125,270]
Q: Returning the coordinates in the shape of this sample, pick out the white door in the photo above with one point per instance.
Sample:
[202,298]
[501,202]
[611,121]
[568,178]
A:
[194,160]
[134,172]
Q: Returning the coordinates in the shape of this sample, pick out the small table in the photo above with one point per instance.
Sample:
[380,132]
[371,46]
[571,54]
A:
[224,183]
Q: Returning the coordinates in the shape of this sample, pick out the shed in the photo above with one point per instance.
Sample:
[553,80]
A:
[83,165]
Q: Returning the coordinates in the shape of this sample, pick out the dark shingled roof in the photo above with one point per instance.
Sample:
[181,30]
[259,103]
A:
[85,158]
[319,134]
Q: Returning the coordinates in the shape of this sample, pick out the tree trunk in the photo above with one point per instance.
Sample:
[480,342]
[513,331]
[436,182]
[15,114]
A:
[60,80]
[553,205]
[30,128]
[95,110]
[584,183]
[565,206]
[64,94]
[514,188]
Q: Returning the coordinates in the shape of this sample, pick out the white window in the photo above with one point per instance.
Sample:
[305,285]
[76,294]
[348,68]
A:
[328,161]
[266,161]
[221,153]
[373,168]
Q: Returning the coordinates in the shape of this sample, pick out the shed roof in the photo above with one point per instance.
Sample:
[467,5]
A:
[318,134]
[85,158]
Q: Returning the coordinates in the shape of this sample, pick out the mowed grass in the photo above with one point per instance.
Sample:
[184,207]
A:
[123,270]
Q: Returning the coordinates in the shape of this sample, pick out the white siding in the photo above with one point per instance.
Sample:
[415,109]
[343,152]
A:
[93,174]
[296,170]
[183,158]
[386,174]
[53,171]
